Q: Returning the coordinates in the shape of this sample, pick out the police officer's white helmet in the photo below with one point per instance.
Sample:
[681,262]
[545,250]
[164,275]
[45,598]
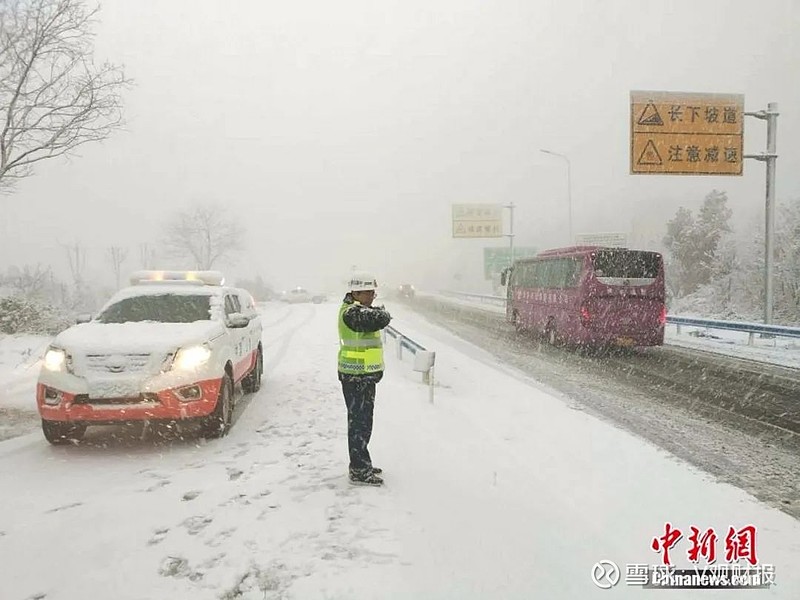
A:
[362,282]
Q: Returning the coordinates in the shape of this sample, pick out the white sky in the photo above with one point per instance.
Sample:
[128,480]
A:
[501,488]
[343,132]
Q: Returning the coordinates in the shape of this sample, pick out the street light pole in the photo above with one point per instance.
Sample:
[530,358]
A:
[569,189]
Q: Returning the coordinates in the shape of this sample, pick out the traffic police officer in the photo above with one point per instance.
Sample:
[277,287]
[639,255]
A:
[360,368]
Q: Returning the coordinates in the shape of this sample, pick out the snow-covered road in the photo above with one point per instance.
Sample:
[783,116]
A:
[499,489]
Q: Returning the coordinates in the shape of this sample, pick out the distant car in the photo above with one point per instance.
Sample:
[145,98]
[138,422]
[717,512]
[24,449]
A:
[170,347]
[406,290]
[319,298]
[297,295]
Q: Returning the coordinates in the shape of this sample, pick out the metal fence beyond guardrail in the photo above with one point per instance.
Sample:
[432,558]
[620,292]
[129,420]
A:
[423,359]
[750,328]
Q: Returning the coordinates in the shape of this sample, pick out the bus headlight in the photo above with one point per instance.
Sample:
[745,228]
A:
[191,357]
[55,359]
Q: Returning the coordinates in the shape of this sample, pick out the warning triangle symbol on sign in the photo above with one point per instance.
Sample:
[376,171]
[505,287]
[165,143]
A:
[650,155]
[650,116]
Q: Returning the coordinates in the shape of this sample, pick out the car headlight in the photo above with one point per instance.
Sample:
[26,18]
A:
[191,357]
[55,359]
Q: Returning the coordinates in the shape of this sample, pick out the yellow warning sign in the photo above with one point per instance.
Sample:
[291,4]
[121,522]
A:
[686,133]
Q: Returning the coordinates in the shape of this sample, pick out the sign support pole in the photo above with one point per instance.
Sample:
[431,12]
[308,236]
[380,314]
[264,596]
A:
[770,157]
[510,234]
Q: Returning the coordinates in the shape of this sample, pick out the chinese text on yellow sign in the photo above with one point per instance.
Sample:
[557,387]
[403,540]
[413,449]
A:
[686,134]
[477,220]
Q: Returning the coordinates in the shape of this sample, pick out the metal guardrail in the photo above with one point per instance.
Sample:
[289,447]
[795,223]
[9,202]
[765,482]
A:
[750,328]
[424,359]
[483,298]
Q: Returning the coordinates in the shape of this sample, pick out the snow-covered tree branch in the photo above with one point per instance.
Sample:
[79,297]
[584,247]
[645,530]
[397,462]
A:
[205,234]
[53,98]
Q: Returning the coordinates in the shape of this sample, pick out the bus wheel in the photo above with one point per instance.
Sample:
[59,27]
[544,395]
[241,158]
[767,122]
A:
[518,328]
[550,334]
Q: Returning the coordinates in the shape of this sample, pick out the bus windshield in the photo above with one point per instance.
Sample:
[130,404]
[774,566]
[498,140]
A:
[626,267]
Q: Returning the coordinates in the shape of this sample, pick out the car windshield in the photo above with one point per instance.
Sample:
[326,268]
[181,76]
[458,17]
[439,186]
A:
[164,308]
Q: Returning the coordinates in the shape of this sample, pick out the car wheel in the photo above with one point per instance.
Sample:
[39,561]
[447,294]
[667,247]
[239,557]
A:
[61,432]
[252,383]
[218,422]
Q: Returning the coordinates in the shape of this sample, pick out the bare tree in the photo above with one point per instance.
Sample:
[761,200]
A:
[53,98]
[205,234]
[147,256]
[117,256]
[76,257]
[30,281]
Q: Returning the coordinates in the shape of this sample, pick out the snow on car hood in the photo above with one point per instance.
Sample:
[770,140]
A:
[111,338]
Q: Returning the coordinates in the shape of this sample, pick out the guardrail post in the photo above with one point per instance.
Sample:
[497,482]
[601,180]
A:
[678,328]
[750,337]
[423,359]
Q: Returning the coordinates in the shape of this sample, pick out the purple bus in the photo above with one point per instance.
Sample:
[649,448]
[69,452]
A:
[589,296]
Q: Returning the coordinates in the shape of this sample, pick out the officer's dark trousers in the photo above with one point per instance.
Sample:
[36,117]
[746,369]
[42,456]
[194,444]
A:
[359,397]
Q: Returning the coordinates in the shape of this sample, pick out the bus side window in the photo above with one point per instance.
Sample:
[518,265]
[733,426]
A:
[525,275]
[560,273]
[547,273]
[574,272]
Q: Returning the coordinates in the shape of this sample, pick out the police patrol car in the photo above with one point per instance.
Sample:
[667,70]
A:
[170,347]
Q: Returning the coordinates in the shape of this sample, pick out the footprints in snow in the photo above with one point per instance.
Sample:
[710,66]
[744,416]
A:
[196,524]
[177,566]
[65,507]
[158,536]
[159,484]
[220,537]
[273,578]
[161,480]
[296,461]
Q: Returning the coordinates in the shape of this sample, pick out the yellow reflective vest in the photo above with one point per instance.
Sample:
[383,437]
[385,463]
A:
[359,353]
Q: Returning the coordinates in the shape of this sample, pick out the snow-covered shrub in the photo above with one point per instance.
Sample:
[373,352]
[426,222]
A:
[22,315]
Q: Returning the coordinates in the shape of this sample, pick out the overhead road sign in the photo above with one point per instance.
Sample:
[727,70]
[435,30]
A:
[684,133]
[477,220]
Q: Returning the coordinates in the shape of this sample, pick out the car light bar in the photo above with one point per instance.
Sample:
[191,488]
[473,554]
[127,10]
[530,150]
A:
[197,277]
